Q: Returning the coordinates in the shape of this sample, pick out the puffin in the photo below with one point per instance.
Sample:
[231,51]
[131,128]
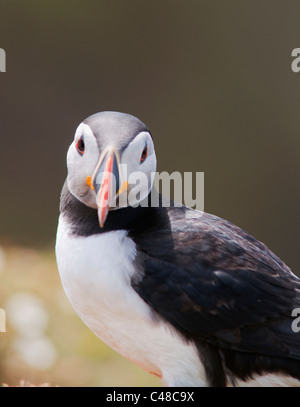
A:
[186,295]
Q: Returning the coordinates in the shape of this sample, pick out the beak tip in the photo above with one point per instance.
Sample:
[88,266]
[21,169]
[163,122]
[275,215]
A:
[102,215]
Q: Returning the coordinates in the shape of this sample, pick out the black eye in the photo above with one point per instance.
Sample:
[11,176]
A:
[144,154]
[80,145]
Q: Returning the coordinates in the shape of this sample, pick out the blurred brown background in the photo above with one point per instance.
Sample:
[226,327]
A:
[212,80]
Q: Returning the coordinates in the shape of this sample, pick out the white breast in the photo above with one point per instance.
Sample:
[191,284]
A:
[95,273]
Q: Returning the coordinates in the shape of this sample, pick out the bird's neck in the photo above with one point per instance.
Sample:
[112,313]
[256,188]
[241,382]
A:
[83,220]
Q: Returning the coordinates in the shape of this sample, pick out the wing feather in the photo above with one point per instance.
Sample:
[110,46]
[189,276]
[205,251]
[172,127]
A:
[211,280]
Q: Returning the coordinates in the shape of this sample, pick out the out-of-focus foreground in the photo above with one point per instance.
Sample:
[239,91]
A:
[45,341]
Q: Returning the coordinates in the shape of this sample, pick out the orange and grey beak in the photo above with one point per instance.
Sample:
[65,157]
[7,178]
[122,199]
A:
[107,183]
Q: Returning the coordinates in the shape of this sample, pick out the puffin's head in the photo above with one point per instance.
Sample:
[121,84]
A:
[111,162]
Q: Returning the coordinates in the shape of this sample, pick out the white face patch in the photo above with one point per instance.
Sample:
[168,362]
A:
[81,165]
[139,167]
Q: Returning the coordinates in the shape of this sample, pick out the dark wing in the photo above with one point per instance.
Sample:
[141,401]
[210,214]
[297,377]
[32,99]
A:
[218,285]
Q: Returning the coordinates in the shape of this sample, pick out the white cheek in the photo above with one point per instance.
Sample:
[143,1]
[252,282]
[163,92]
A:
[149,168]
[140,179]
[82,166]
[139,188]
[139,175]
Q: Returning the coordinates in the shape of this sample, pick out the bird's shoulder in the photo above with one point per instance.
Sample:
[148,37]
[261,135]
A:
[189,237]
[210,279]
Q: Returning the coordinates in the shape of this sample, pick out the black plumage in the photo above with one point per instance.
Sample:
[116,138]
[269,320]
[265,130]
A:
[212,282]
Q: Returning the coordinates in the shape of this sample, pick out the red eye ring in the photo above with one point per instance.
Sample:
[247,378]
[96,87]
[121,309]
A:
[80,145]
[144,154]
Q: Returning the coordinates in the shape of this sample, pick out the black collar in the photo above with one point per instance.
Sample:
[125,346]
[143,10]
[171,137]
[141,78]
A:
[84,220]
